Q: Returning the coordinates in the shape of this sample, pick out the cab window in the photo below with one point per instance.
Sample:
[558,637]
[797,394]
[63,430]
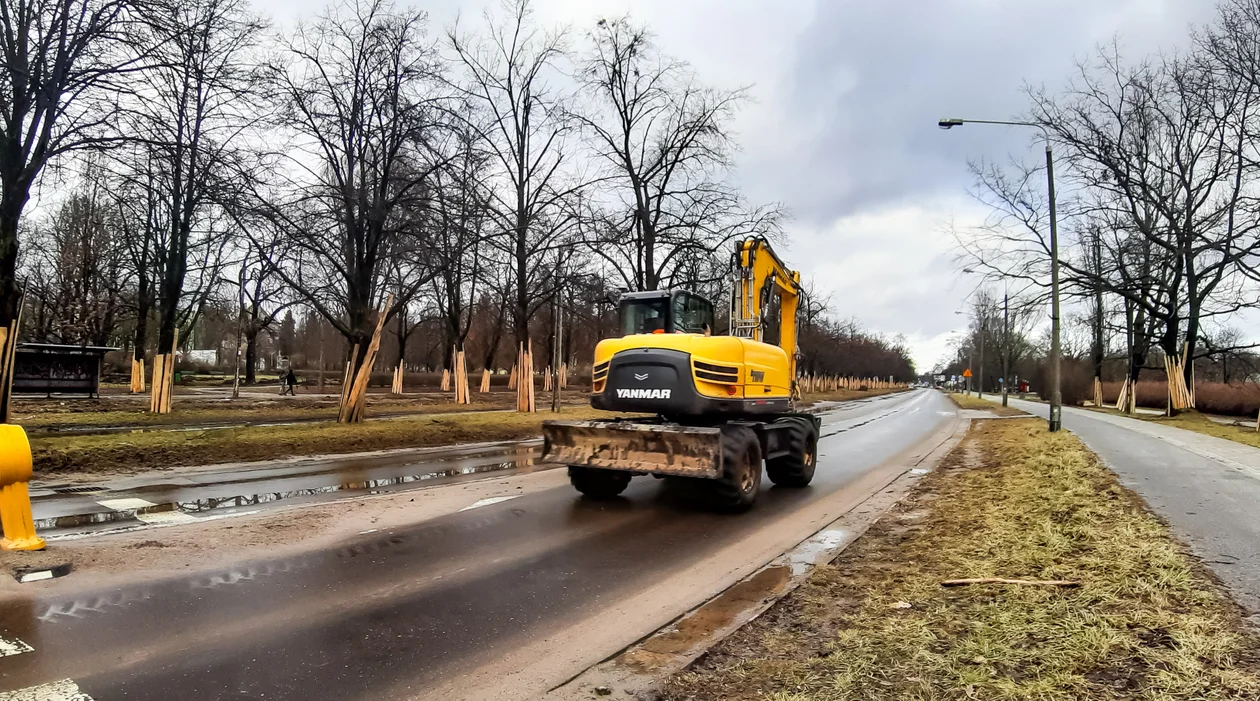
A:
[644,315]
[692,313]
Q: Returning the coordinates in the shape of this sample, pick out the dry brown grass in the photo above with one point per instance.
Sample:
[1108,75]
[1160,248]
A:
[845,395]
[46,415]
[1194,421]
[1147,622]
[968,401]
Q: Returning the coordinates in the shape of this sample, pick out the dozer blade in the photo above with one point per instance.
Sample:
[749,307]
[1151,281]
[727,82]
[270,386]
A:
[687,451]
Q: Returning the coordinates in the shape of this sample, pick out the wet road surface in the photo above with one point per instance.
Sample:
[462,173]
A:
[306,480]
[404,613]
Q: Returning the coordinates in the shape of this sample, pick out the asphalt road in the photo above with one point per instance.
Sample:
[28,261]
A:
[501,601]
[1206,488]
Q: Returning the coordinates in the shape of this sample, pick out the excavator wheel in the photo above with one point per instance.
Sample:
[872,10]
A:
[797,468]
[596,483]
[737,488]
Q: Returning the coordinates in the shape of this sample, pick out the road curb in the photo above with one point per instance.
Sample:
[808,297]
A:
[639,668]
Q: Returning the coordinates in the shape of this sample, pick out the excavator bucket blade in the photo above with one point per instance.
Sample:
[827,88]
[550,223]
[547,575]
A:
[687,451]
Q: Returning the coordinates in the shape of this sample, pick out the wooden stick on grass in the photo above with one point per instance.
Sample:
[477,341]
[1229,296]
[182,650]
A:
[1000,580]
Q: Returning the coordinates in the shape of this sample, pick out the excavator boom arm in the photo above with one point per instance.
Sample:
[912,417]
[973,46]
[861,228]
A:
[759,273]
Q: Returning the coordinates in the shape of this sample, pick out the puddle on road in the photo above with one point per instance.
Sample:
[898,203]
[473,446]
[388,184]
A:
[372,486]
[525,462]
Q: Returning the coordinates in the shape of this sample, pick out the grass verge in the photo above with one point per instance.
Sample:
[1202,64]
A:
[85,414]
[845,395]
[133,452]
[967,401]
[1194,421]
[1013,501]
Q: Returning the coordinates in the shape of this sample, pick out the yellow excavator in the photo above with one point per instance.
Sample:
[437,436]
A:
[720,406]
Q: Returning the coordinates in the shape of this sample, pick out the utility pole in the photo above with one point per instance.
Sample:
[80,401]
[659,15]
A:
[557,340]
[1056,394]
[1006,344]
[240,327]
[983,326]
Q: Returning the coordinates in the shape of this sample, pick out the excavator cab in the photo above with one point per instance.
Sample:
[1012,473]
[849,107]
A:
[665,311]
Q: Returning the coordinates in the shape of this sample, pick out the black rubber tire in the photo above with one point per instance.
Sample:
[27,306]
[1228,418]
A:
[598,484]
[797,468]
[736,490]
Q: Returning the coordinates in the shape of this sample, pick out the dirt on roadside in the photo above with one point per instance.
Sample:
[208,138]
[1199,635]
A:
[1147,621]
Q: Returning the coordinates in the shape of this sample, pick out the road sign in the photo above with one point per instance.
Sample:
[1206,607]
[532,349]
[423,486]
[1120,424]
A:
[967,372]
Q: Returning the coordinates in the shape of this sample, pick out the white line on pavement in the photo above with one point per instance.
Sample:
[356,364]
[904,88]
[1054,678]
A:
[140,527]
[13,647]
[125,504]
[488,501]
[64,690]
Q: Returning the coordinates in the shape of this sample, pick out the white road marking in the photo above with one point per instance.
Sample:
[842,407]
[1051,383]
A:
[13,647]
[140,527]
[166,518]
[64,690]
[125,504]
[488,501]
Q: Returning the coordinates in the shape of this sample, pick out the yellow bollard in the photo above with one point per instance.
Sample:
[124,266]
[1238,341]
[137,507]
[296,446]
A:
[15,496]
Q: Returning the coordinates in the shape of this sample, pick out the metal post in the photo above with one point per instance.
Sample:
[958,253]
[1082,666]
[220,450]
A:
[240,324]
[555,356]
[1006,345]
[971,355]
[980,370]
[1056,395]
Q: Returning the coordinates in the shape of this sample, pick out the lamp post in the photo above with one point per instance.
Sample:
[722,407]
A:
[1056,396]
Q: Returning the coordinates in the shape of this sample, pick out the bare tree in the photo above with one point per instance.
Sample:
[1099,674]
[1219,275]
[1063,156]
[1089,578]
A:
[83,251]
[191,107]
[358,89]
[664,139]
[1158,155]
[461,224]
[506,74]
[261,296]
[58,60]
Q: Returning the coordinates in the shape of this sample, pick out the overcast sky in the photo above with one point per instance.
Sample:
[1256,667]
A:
[844,128]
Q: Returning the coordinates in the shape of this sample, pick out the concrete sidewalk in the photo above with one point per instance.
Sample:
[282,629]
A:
[1206,488]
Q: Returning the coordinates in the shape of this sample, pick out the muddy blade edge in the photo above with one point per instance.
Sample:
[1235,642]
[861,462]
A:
[685,451]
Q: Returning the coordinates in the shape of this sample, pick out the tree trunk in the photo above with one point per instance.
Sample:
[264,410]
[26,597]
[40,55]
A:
[251,356]
[9,292]
[142,326]
[402,335]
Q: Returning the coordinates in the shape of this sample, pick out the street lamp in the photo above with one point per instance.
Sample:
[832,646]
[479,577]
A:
[1056,396]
